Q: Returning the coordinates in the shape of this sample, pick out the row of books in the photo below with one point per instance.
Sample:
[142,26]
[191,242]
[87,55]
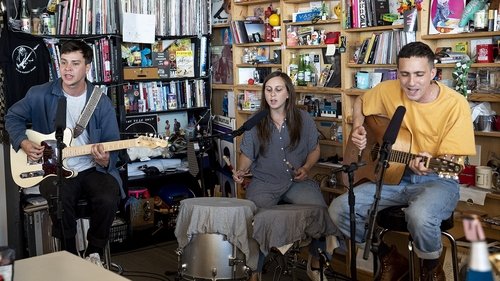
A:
[173,17]
[104,67]
[382,48]
[161,96]
[365,13]
[86,17]
[247,31]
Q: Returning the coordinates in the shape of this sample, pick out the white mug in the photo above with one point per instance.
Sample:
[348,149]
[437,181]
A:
[484,175]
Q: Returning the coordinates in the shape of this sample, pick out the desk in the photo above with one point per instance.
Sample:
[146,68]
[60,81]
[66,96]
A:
[61,266]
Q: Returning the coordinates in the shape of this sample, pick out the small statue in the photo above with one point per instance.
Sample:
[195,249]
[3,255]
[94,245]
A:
[470,9]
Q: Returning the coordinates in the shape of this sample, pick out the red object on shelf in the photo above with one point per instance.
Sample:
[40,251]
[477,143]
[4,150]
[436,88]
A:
[468,175]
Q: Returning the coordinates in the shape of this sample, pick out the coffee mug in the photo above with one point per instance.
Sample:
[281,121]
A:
[362,80]
[484,176]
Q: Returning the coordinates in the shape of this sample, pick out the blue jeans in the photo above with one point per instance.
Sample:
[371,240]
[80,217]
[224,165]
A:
[430,200]
[305,192]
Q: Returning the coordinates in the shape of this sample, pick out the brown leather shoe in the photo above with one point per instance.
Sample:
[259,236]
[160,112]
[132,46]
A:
[437,274]
[393,266]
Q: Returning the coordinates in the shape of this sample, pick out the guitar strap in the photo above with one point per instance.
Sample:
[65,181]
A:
[84,118]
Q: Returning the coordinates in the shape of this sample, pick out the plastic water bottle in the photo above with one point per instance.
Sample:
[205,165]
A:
[479,264]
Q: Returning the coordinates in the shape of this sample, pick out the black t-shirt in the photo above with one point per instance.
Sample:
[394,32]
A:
[25,60]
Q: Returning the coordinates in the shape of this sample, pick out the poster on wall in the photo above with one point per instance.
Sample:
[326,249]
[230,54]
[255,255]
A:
[445,16]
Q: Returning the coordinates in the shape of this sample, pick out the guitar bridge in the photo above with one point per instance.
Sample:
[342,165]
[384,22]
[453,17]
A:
[32,174]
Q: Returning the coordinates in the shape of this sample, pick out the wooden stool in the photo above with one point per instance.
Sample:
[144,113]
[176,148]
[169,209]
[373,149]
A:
[393,219]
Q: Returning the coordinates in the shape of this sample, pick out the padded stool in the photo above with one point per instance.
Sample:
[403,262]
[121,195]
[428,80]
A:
[82,212]
[393,219]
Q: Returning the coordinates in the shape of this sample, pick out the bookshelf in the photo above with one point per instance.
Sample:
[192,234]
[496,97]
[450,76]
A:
[104,34]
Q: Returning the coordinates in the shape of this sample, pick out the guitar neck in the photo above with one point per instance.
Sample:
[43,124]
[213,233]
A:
[402,157]
[108,146]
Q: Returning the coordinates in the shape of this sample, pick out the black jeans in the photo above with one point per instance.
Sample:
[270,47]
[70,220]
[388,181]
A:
[102,193]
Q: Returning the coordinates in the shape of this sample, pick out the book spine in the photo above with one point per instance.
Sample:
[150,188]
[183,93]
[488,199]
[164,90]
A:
[362,14]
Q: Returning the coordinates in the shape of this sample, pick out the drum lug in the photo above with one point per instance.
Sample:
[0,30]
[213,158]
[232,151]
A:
[178,251]
[214,273]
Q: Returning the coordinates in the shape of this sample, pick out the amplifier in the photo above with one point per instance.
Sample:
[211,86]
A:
[38,230]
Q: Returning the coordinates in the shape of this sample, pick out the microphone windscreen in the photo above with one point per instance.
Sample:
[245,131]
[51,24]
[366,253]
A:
[192,160]
[60,121]
[394,125]
[250,123]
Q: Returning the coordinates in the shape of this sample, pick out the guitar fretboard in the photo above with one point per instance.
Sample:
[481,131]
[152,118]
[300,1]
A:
[108,146]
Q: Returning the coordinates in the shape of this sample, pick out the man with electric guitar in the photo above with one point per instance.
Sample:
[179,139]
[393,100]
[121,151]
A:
[437,128]
[97,179]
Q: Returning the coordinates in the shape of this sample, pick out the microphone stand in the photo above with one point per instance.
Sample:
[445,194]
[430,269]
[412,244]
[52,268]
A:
[349,169]
[60,176]
[370,226]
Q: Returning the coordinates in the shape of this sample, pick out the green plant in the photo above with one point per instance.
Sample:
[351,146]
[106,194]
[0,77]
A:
[460,75]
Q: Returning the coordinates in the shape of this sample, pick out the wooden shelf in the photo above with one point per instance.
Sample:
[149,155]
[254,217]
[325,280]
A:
[247,112]
[220,25]
[258,65]
[319,22]
[474,65]
[461,35]
[258,44]
[330,142]
[356,65]
[493,134]
[242,87]
[354,92]
[307,47]
[318,90]
[482,97]
[254,2]
[222,86]
[331,119]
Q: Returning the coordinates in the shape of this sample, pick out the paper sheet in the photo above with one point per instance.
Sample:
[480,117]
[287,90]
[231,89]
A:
[138,28]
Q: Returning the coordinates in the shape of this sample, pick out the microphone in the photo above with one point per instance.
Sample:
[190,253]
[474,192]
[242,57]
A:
[390,135]
[394,125]
[250,123]
[60,121]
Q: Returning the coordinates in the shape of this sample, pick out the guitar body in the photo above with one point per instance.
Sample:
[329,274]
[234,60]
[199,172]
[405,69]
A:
[375,127]
[27,173]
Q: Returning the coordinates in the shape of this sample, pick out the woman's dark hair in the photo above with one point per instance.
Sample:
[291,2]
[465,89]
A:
[418,50]
[78,46]
[293,117]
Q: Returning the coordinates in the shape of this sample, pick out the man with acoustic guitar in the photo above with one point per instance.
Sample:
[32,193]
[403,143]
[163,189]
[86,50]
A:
[97,178]
[438,124]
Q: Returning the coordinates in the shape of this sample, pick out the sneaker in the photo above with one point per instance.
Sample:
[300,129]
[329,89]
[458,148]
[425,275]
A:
[95,259]
[313,273]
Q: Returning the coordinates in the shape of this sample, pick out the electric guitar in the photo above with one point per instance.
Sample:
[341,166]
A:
[27,173]
[398,158]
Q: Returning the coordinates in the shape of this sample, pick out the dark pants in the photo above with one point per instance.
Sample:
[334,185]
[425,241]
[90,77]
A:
[102,193]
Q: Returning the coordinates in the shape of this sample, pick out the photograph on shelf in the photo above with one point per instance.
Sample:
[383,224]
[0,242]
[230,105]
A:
[172,123]
[141,125]
[222,63]
[445,16]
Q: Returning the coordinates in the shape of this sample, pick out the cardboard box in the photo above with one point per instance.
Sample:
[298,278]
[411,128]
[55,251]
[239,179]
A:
[138,73]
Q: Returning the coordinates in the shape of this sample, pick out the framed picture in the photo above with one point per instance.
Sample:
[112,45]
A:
[445,16]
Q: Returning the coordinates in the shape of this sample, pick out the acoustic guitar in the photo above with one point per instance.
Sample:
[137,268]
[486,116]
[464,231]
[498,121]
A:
[398,158]
[27,173]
